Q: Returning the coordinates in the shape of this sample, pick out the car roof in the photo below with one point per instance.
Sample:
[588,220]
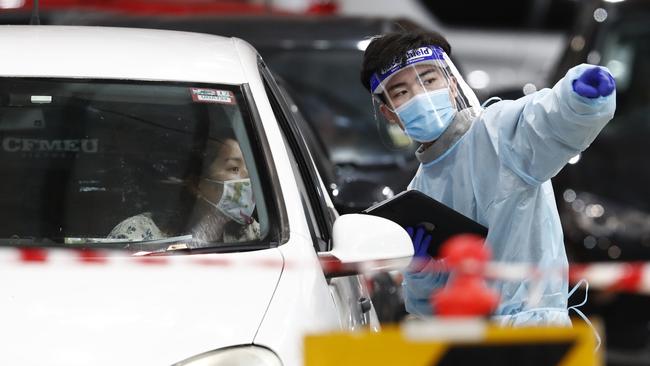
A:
[151,7]
[122,53]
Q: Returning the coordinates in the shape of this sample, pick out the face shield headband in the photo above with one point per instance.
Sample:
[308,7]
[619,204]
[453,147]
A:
[422,54]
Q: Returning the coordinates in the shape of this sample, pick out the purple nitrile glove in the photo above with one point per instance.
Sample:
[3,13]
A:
[421,244]
[594,82]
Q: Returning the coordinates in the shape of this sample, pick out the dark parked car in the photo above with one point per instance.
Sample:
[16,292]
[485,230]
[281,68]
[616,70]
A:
[604,195]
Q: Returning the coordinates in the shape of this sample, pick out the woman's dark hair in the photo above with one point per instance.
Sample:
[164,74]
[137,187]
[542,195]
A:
[214,144]
[205,150]
[384,50]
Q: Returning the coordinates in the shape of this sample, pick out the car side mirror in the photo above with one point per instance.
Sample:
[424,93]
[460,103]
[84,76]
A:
[366,243]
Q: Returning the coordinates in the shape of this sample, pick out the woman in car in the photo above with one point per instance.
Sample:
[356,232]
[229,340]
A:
[224,206]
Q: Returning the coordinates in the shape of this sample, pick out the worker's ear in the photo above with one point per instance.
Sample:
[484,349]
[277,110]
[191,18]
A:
[390,115]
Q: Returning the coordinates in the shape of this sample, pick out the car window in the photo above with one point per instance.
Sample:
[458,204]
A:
[326,88]
[319,234]
[315,200]
[135,165]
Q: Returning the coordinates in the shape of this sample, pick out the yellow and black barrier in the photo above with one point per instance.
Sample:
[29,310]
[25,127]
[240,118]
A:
[462,343]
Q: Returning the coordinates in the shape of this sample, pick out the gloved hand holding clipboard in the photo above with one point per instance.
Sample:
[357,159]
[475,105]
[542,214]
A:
[413,208]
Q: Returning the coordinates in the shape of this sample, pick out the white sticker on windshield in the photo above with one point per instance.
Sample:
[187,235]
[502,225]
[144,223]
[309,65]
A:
[212,96]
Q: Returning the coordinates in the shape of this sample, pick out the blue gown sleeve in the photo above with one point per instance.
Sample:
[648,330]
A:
[535,136]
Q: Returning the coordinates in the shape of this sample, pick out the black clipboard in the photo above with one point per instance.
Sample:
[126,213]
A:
[413,208]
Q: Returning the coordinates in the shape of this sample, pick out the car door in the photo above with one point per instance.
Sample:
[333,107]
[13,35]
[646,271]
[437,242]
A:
[349,293]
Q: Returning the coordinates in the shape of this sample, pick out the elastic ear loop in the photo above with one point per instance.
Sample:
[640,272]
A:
[581,314]
[489,100]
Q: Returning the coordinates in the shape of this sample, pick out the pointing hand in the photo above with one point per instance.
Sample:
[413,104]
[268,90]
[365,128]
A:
[594,82]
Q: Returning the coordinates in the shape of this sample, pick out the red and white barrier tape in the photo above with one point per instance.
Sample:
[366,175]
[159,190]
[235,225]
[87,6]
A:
[78,257]
[631,277]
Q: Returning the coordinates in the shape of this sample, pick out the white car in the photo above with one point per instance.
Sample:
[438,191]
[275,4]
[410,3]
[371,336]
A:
[111,144]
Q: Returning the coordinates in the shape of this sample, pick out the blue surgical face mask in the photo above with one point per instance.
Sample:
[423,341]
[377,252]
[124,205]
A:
[426,116]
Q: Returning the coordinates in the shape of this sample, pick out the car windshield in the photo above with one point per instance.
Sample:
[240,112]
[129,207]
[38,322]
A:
[136,165]
[326,87]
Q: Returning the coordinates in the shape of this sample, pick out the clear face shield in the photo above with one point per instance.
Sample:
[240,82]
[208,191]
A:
[423,93]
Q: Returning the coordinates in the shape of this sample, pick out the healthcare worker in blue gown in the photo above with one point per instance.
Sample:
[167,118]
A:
[491,164]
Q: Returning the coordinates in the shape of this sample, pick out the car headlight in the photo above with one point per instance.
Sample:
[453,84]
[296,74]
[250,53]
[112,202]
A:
[234,356]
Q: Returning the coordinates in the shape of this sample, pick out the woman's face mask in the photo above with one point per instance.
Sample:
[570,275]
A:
[236,200]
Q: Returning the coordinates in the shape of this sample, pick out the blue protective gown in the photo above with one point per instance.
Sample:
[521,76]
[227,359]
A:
[495,168]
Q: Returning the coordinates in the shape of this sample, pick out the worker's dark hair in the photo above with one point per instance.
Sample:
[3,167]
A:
[384,50]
